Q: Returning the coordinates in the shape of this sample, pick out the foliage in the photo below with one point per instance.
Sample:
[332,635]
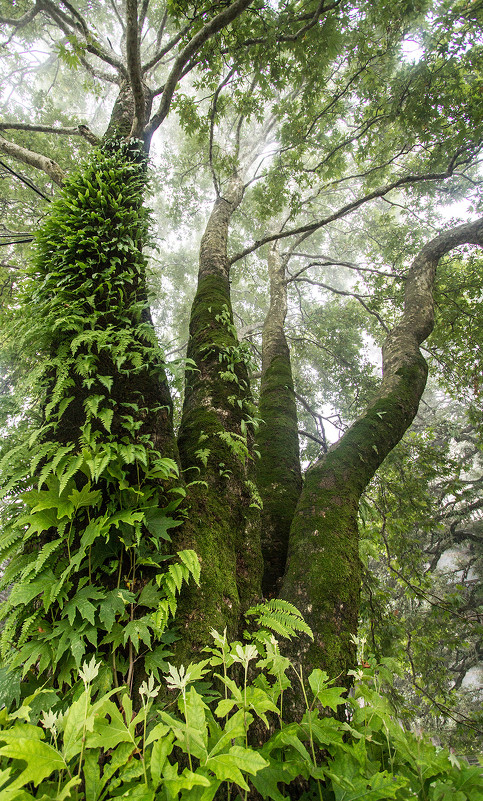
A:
[201,744]
[88,497]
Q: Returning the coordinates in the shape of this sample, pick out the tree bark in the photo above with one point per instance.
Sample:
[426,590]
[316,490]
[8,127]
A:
[323,573]
[215,446]
[279,476]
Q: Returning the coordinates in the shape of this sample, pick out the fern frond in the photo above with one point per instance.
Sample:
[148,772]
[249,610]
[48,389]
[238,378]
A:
[280,616]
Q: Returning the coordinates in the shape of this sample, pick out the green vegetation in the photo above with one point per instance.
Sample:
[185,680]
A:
[200,744]
[241,364]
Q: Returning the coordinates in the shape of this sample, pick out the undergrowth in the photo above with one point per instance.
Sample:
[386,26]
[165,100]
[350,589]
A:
[203,741]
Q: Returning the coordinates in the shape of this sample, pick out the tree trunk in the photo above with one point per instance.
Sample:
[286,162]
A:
[323,573]
[215,445]
[279,476]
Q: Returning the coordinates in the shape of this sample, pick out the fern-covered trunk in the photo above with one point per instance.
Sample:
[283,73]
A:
[96,474]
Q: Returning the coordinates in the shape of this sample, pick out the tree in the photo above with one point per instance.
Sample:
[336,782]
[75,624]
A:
[304,114]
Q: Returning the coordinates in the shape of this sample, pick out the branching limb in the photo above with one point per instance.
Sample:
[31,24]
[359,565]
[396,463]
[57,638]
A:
[163,51]
[209,30]
[25,18]
[134,66]
[78,130]
[345,292]
[407,180]
[75,24]
[216,95]
[37,160]
[462,720]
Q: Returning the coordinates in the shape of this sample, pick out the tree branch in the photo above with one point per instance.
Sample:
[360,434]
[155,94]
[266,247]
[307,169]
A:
[25,18]
[164,50]
[134,67]
[78,24]
[350,207]
[346,293]
[37,160]
[209,30]
[79,130]
[25,181]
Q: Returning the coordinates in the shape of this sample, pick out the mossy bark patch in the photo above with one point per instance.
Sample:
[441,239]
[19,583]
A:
[279,475]
[216,447]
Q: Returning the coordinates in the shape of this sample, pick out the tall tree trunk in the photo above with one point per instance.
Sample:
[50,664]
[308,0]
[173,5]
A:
[215,445]
[323,573]
[279,477]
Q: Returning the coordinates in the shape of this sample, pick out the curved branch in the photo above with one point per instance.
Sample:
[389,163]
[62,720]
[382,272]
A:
[78,24]
[407,180]
[25,18]
[37,160]
[324,531]
[164,50]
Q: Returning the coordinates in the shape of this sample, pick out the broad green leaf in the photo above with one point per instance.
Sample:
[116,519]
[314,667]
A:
[41,758]
[161,750]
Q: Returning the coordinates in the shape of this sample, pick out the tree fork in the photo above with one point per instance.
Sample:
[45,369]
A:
[323,573]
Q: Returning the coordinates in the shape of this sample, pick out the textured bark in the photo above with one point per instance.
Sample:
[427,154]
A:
[123,118]
[279,477]
[323,568]
[37,160]
[223,527]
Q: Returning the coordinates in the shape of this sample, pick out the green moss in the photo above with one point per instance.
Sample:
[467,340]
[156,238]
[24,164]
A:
[323,569]
[223,528]
[278,469]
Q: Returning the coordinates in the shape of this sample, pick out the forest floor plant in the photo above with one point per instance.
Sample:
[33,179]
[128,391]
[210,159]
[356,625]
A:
[199,744]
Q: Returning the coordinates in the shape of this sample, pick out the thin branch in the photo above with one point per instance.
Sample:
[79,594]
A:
[347,294]
[142,16]
[216,95]
[162,51]
[209,30]
[70,26]
[314,438]
[78,130]
[350,207]
[350,265]
[16,241]
[25,181]
[462,720]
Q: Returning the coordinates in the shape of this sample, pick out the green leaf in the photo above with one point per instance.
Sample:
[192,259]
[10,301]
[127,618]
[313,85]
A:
[85,497]
[81,603]
[225,768]
[158,524]
[161,750]
[41,758]
[108,734]
[9,686]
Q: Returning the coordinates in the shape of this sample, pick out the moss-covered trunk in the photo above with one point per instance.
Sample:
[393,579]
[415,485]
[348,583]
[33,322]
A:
[323,569]
[279,476]
[215,446]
